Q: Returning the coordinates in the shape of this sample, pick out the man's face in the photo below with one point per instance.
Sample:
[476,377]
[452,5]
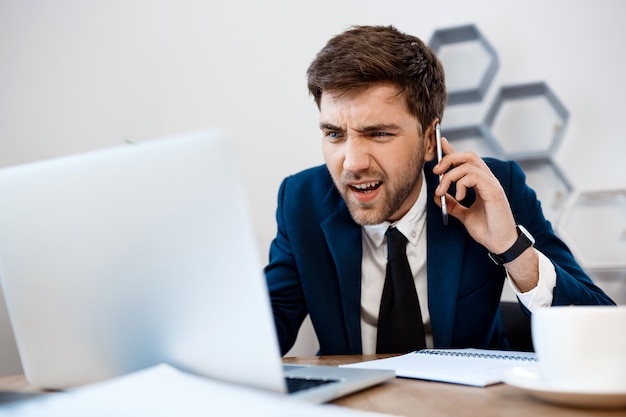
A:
[375,151]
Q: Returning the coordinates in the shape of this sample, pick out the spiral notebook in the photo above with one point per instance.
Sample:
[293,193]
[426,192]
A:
[477,367]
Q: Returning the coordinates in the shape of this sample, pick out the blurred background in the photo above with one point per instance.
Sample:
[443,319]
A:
[82,75]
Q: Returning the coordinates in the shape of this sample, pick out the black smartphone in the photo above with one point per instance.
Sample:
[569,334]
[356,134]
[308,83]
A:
[444,207]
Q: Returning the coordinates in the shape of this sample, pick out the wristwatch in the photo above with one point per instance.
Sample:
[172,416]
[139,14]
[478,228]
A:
[523,242]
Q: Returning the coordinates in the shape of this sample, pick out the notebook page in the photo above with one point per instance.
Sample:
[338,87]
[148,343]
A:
[477,367]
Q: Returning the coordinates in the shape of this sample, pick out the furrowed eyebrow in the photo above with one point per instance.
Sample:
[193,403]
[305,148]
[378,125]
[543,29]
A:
[382,127]
[329,126]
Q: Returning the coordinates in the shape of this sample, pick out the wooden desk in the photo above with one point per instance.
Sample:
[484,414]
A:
[408,397]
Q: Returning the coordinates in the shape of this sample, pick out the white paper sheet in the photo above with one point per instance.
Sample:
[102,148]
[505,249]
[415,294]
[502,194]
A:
[166,391]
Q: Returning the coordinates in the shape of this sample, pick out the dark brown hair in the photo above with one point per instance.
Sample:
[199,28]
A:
[366,55]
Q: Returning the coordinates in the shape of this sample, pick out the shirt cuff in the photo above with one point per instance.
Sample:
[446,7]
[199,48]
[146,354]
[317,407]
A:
[541,295]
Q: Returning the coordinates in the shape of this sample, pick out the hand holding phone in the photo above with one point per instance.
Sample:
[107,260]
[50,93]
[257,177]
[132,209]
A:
[444,207]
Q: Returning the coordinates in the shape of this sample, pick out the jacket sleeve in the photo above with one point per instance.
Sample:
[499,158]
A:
[283,281]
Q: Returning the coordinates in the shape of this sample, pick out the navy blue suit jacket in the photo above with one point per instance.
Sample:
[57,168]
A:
[315,266]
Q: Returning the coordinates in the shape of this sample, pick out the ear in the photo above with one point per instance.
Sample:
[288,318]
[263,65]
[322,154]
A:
[430,141]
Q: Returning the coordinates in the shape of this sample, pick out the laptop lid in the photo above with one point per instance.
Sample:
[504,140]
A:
[119,259]
[123,258]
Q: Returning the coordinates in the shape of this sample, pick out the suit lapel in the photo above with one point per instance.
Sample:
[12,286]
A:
[445,246]
[343,237]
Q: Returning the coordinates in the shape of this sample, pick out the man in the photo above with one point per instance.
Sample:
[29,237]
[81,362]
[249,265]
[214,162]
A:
[381,94]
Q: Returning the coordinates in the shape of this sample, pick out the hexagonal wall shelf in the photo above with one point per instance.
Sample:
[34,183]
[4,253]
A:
[594,226]
[469,60]
[552,187]
[526,120]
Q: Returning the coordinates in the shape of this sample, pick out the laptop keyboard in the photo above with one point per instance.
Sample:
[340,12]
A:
[295,384]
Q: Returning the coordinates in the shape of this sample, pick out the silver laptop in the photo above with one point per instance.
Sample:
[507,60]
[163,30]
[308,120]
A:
[120,259]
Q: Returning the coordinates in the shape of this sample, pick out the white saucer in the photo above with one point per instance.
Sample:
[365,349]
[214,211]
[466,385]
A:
[530,380]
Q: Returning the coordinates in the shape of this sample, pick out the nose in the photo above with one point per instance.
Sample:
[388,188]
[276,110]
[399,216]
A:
[356,156]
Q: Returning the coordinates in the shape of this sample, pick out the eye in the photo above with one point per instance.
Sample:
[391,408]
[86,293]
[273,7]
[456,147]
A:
[333,135]
[381,136]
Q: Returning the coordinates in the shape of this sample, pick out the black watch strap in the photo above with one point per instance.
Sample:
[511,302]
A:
[523,242]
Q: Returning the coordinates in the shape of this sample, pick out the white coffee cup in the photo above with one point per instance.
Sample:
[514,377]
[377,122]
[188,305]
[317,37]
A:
[582,348]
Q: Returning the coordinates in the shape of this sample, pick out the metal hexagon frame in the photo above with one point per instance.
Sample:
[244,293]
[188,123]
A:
[608,233]
[523,91]
[553,206]
[460,34]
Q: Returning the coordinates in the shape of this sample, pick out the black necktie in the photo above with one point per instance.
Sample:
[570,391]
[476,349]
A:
[400,326]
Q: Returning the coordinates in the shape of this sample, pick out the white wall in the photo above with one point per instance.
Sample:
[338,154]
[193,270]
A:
[78,75]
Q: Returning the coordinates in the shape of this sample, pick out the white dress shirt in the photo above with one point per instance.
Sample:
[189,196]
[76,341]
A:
[413,227]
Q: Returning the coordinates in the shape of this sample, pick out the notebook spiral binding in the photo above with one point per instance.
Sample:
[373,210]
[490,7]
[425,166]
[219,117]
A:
[511,357]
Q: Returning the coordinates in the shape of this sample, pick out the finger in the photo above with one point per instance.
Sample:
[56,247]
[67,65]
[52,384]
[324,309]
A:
[469,170]
[455,209]
[455,159]
[446,147]
[459,158]
[456,174]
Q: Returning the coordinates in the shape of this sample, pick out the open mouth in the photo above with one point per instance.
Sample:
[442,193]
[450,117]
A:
[367,187]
